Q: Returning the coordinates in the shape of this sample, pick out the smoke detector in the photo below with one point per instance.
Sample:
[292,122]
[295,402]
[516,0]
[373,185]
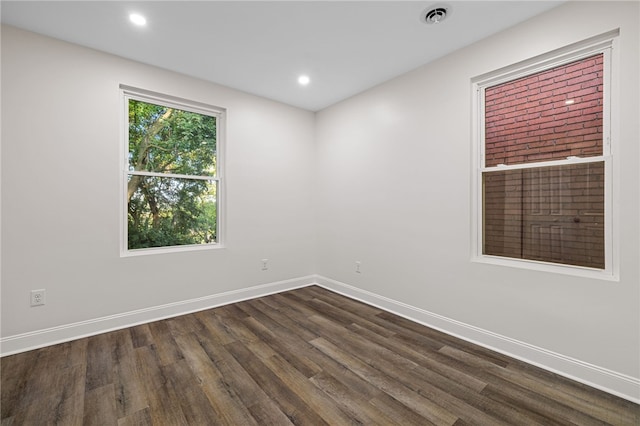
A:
[435,14]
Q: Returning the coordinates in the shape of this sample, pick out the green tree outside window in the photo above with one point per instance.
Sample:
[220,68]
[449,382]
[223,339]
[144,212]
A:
[172,181]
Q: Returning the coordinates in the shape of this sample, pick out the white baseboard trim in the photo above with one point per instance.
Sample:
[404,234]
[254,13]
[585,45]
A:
[618,384]
[50,336]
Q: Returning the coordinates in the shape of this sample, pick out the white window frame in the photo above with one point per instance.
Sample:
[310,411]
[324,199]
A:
[604,44]
[127,93]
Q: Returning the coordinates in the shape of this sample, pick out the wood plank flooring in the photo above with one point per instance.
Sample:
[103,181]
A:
[307,356]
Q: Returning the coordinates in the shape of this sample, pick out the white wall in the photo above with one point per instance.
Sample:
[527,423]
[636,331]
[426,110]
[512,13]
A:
[395,193]
[61,137]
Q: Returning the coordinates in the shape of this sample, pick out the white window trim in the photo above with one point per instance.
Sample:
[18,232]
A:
[128,92]
[604,44]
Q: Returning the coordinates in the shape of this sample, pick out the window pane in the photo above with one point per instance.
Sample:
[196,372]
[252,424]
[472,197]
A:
[552,214]
[171,212]
[546,116]
[169,140]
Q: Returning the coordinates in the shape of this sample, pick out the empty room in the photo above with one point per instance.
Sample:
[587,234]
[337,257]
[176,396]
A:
[320,212]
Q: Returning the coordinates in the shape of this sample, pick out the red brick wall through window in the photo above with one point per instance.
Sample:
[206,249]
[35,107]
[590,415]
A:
[546,116]
[553,213]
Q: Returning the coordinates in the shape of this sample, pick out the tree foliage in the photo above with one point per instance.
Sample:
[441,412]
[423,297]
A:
[169,210]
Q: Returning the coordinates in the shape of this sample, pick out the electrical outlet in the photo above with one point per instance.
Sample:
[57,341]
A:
[265,264]
[358,265]
[37,297]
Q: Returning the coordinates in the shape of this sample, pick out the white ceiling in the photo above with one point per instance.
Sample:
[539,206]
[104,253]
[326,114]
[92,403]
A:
[261,47]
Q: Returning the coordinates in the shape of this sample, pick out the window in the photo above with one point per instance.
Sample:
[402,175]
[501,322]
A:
[543,179]
[171,178]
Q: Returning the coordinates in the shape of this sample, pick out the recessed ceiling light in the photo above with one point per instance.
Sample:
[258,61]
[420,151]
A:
[303,80]
[137,19]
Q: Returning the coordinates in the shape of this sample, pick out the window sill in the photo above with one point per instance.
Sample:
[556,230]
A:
[168,250]
[578,271]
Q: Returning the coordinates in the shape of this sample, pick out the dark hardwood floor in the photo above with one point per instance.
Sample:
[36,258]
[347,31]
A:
[307,356]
